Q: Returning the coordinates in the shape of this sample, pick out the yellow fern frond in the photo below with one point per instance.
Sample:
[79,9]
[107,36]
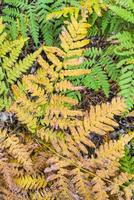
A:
[73,62]
[8,62]
[100,118]
[73,38]
[93,6]
[64,12]
[34,89]
[57,108]
[64,99]
[22,66]
[54,50]
[7,46]
[2,34]
[43,63]
[24,115]
[55,60]
[31,182]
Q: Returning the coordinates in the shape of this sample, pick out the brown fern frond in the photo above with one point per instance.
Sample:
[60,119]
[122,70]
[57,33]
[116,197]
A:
[39,161]
[18,150]
[42,194]
[99,189]
[8,179]
[9,195]
[81,184]
[58,173]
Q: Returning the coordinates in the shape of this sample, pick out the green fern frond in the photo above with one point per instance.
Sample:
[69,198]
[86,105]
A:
[96,80]
[126,82]
[123,13]
[127,162]
[34,28]
[125,52]
[102,67]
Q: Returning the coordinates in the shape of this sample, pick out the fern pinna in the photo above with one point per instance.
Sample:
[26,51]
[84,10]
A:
[11,67]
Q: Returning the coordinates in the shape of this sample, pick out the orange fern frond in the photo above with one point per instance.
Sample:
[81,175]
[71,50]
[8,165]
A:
[100,118]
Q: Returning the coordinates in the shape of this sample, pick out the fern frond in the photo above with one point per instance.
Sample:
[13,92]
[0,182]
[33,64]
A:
[129,192]
[9,195]
[76,31]
[126,83]
[100,118]
[112,150]
[47,30]
[60,177]
[24,116]
[99,189]
[22,66]
[97,79]
[13,146]
[123,13]
[125,51]
[119,181]
[93,6]
[34,28]
[8,62]
[41,194]
[66,85]
[32,183]
[64,12]
[127,162]
[80,183]
[12,67]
